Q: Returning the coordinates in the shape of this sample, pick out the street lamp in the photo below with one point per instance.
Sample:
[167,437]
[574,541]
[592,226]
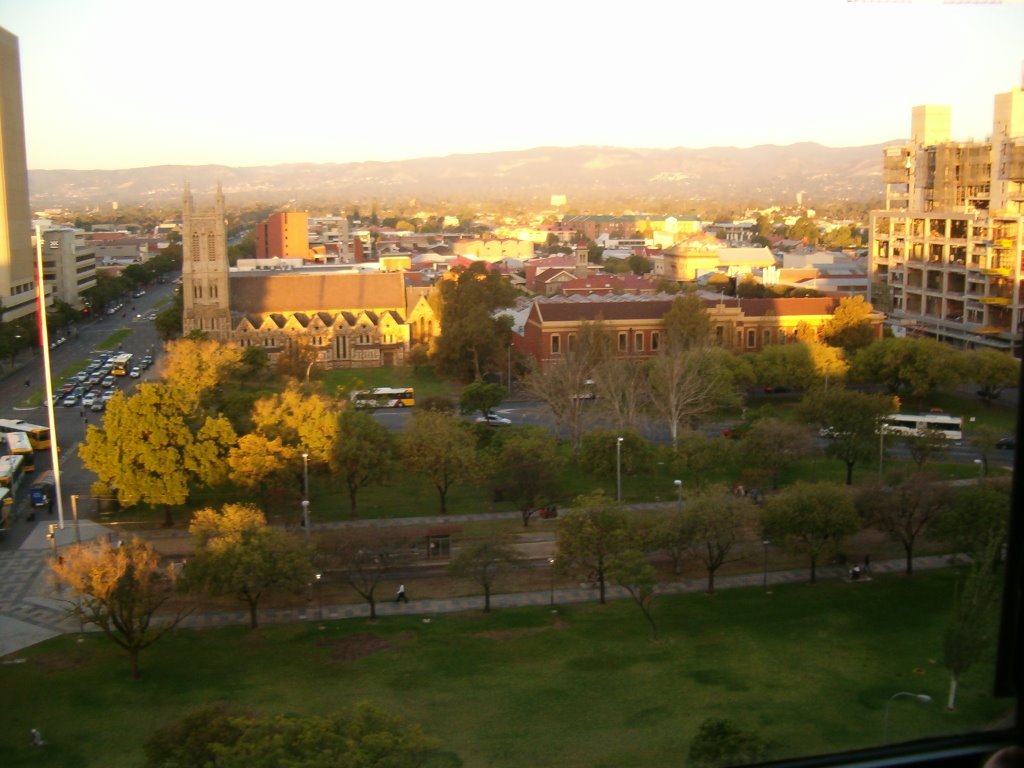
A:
[924,698]
[981,469]
[305,476]
[319,599]
[510,367]
[305,519]
[551,564]
[679,496]
[618,469]
[764,579]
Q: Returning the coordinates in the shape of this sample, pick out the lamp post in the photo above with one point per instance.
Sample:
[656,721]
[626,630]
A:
[618,469]
[981,469]
[319,599]
[679,495]
[764,579]
[881,447]
[551,568]
[510,367]
[924,698]
[305,495]
[305,519]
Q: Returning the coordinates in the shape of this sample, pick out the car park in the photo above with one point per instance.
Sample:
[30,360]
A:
[493,420]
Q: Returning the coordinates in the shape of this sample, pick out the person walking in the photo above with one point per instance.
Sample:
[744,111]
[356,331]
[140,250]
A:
[400,597]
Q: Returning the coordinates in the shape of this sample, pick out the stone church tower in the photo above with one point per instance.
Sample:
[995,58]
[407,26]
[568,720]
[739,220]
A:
[204,273]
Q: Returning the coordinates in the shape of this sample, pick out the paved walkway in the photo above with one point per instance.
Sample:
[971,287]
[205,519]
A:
[31,610]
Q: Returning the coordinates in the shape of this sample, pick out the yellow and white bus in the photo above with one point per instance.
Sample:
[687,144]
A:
[18,445]
[384,397]
[121,364]
[6,509]
[11,472]
[37,435]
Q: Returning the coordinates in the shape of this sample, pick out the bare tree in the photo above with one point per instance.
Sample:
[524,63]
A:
[903,510]
[688,385]
[364,557]
[621,386]
[482,561]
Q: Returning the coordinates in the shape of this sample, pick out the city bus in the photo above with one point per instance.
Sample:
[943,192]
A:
[384,397]
[6,509]
[951,427]
[120,364]
[11,472]
[18,445]
[37,435]
[42,490]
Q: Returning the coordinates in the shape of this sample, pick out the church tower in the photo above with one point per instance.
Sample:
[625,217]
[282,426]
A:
[204,272]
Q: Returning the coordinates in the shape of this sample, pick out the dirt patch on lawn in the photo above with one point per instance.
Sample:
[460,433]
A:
[360,645]
[513,634]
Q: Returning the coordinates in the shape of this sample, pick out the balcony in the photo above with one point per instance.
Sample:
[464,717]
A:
[997,301]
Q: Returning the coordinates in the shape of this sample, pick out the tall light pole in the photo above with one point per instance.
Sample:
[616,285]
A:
[305,495]
[319,599]
[305,519]
[924,698]
[679,496]
[618,469]
[981,470]
[510,367]
[551,568]
[881,447]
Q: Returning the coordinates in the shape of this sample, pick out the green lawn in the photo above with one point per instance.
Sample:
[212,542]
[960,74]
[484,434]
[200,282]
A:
[808,667]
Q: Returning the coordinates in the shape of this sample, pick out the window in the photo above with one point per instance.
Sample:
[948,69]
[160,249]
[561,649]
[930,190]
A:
[655,340]
[767,337]
[751,338]
[555,344]
[622,342]
[638,342]
[570,342]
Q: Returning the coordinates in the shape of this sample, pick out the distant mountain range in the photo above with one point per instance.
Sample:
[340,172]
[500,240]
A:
[766,174]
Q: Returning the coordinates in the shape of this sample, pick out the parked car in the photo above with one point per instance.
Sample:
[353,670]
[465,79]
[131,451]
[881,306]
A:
[146,361]
[70,401]
[493,420]
[89,399]
[108,381]
[135,372]
[151,316]
[1007,443]
[98,405]
[106,396]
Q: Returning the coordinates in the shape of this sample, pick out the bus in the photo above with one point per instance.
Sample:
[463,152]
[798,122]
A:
[37,435]
[6,509]
[42,490]
[11,472]
[18,445]
[120,364]
[951,427]
[384,397]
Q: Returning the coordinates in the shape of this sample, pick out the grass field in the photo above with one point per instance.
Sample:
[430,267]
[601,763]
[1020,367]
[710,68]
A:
[810,668]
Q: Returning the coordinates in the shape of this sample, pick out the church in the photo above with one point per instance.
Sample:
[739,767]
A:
[347,318]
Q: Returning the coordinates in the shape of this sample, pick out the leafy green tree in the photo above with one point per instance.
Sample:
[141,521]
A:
[358,739]
[238,554]
[483,562]
[696,456]
[907,366]
[785,365]
[771,445]
[904,510]
[639,265]
[673,535]
[850,326]
[364,453]
[441,447]
[120,589]
[170,321]
[716,520]
[973,622]
[852,419]
[590,536]
[804,229]
[600,452]
[471,339]
[631,571]
[992,370]
[687,324]
[481,396]
[151,446]
[528,472]
[975,515]
[810,518]
[721,743]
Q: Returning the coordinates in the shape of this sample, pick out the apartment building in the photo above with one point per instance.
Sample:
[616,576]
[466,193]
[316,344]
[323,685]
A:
[17,259]
[69,264]
[945,255]
[283,235]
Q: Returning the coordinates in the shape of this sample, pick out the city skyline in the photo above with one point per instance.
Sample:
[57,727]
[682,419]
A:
[110,84]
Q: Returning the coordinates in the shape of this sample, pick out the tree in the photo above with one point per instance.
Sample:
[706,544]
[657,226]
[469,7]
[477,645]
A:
[527,472]
[673,535]
[564,385]
[904,510]
[307,422]
[973,622]
[120,589]
[687,385]
[975,515]
[482,562]
[238,554]
[631,571]
[852,420]
[992,371]
[771,445]
[265,467]
[217,736]
[721,743]
[715,518]
[925,445]
[590,535]
[850,326]
[785,365]
[907,366]
[602,456]
[471,337]
[364,557]
[364,453]
[621,388]
[804,229]
[152,445]
[199,367]
[687,324]
[811,519]
[481,396]
[442,447]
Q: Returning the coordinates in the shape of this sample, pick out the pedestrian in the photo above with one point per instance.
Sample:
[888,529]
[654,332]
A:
[37,738]
[28,383]
[400,597]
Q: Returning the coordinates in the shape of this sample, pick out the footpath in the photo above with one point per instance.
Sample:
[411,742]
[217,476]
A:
[31,610]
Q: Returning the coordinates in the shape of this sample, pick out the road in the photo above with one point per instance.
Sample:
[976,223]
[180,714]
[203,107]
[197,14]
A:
[72,422]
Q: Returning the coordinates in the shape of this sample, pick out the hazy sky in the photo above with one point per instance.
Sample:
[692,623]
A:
[128,83]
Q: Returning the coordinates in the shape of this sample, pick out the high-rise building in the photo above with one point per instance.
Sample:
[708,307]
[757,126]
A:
[946,252]
[284,235]
[17,260]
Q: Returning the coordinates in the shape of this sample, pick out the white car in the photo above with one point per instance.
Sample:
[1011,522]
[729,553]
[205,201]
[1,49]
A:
[89,399]
[493,420]
[135,372]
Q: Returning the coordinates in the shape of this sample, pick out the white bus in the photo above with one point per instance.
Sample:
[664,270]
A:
[18,444]
[11,472]
[952,427]
[37,435]
[384,397]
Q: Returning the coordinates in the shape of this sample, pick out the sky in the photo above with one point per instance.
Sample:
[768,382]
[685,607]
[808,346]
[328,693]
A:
[113,84]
